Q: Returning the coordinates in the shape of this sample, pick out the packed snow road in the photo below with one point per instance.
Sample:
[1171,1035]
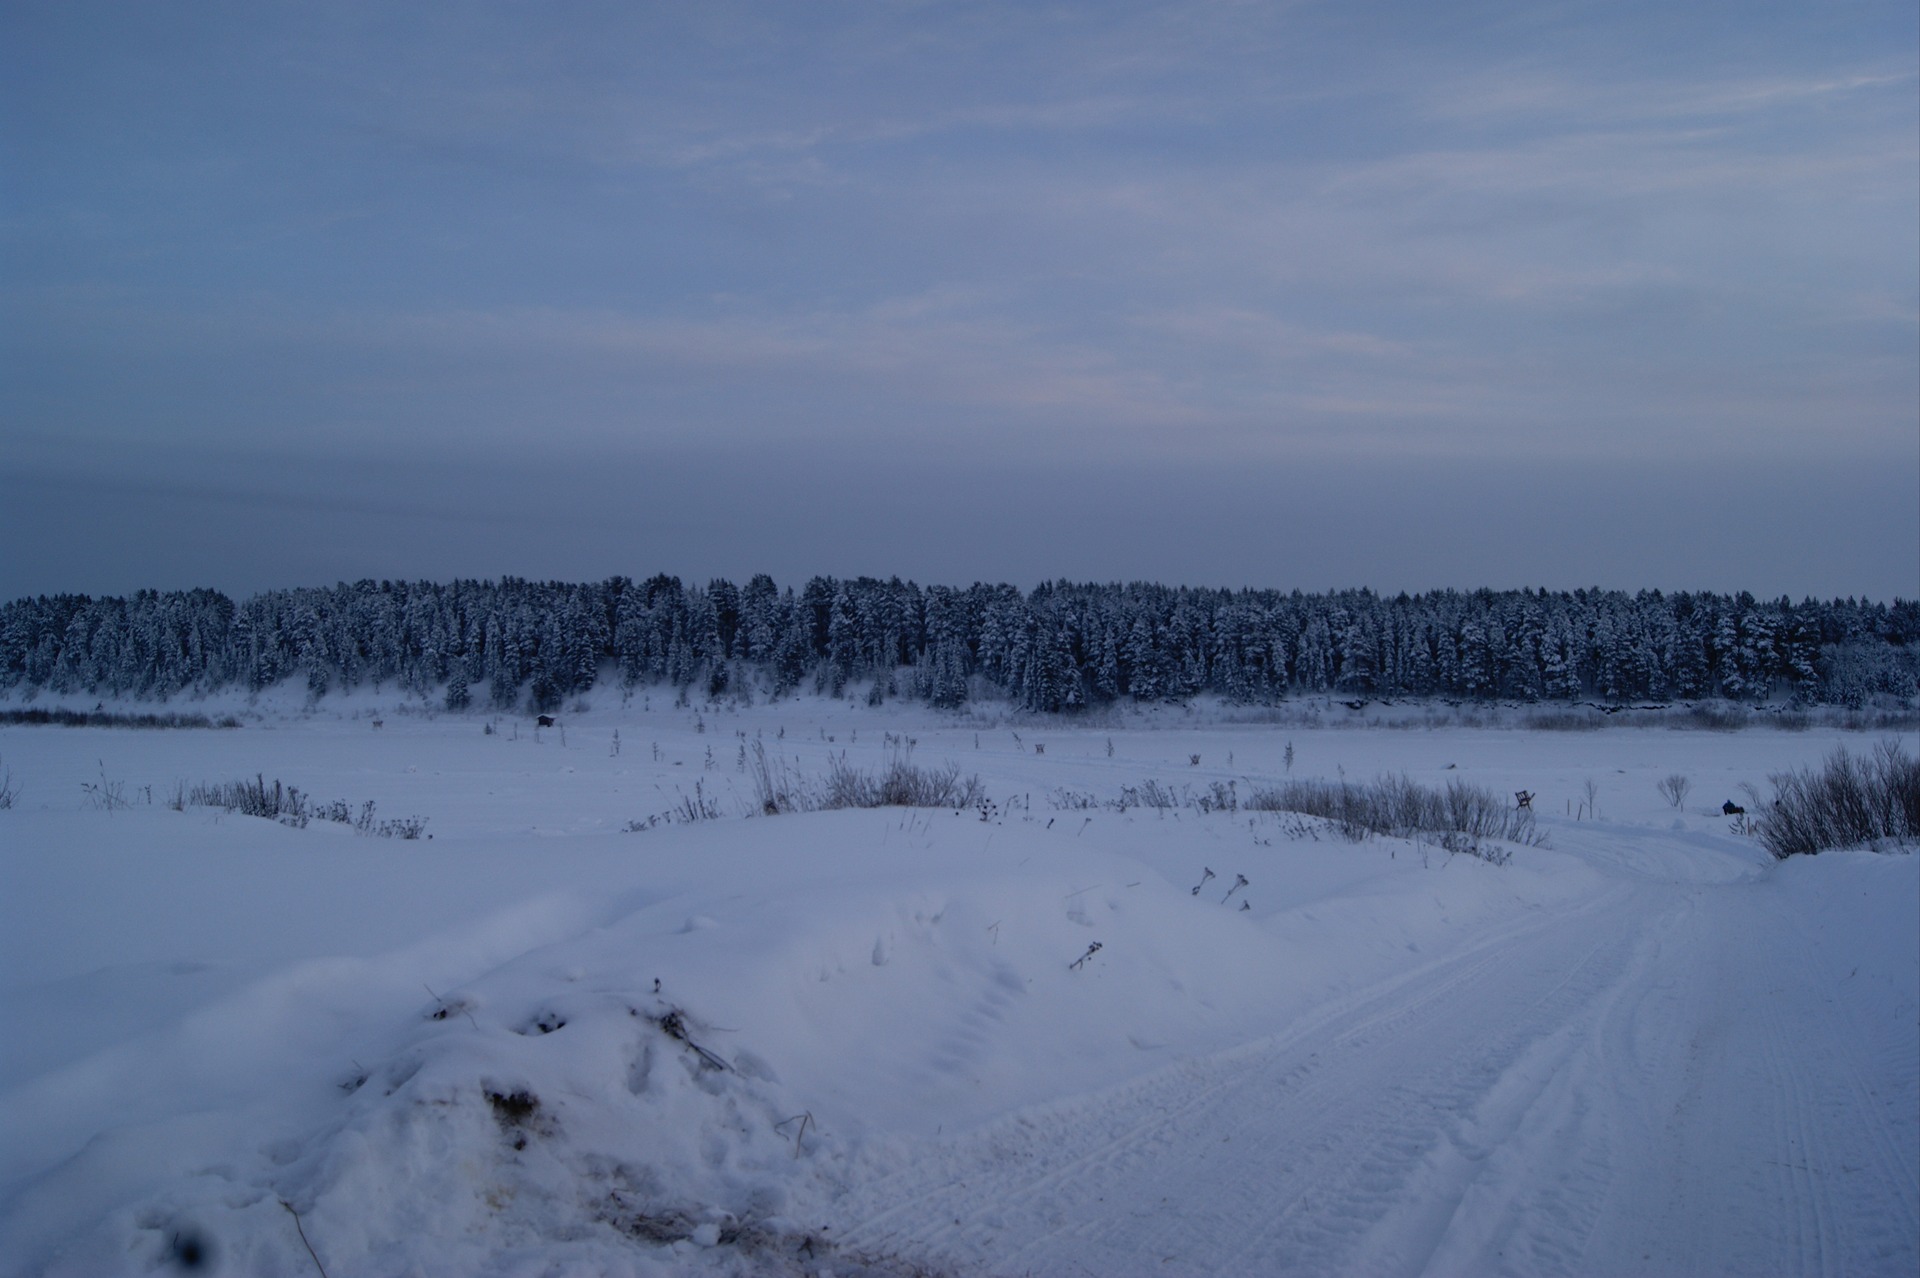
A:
[1668,1078]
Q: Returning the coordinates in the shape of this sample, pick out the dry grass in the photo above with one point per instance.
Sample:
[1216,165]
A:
[1398,807]
[901,783]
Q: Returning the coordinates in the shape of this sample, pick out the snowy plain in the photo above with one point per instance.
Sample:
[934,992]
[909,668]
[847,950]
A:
[543,1042]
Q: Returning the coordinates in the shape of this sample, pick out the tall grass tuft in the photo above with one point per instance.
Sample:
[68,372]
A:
[254,798]
[1851,802]
[291,807]
[1400,808]
[901,783]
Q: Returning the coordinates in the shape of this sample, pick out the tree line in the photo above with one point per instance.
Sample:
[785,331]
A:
[1062,646]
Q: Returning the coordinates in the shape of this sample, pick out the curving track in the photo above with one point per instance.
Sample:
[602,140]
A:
[1669,1078]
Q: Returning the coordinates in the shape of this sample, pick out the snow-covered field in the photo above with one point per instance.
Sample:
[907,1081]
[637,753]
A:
[856,1042]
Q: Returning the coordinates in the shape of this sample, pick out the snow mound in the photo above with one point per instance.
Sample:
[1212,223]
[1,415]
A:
[696,1070]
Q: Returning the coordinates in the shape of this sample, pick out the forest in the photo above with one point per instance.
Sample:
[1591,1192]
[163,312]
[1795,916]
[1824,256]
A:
[1061,647]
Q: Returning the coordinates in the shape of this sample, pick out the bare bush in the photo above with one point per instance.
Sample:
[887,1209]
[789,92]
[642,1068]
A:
[291,807]
[1850,802]
[407,827]
[692,808]
[106,795]
[1398,807]
[1148,794]
[698,806]
[901,783]
[7,791]
[775,786]
[282,803]
[1674,787]
[1221,796]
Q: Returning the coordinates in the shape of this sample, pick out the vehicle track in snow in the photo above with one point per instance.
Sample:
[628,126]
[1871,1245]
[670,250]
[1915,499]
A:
[1624,1086]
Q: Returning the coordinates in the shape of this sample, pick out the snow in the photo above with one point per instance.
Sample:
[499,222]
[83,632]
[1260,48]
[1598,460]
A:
[853,1042]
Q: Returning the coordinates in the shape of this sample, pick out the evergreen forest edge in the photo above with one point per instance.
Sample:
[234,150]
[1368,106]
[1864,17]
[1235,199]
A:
[1058,648]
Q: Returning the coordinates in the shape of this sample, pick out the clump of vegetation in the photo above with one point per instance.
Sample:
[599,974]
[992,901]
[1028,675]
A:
[901,783]
[7,791]
[34,717]
[1461,814]
[252,798]
[1850,802]
[1674,787]
[111,796]
[1148,794]
[1577,719]
[698,806]
[290,807]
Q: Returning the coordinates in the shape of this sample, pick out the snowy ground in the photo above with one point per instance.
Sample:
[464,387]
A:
[851,1042]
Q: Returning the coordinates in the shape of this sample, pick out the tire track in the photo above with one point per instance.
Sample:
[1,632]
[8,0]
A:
[1288,1153]
[1657,1080]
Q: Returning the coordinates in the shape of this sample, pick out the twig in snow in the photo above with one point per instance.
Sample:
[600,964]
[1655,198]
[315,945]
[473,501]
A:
[1239,881]
[805,1120]
[1203,881]
[1091,951]
[447,1007]
[303,1237]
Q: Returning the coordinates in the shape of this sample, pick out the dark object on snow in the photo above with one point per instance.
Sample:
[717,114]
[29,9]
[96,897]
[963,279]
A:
[1203,881]
[1521,798]
[513,1109]
[545,721]
[191,1251]
[1731,808]
[673,1023]
[1091,951]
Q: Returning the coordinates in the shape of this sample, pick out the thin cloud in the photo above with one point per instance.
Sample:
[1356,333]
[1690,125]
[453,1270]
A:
[1538,96]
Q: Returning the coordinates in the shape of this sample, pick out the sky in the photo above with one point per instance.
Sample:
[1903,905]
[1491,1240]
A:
[1297,295]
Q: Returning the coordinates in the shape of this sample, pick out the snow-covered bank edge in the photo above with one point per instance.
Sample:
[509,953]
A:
[610,701]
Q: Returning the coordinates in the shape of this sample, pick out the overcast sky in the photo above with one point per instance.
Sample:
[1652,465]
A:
[1401,295]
